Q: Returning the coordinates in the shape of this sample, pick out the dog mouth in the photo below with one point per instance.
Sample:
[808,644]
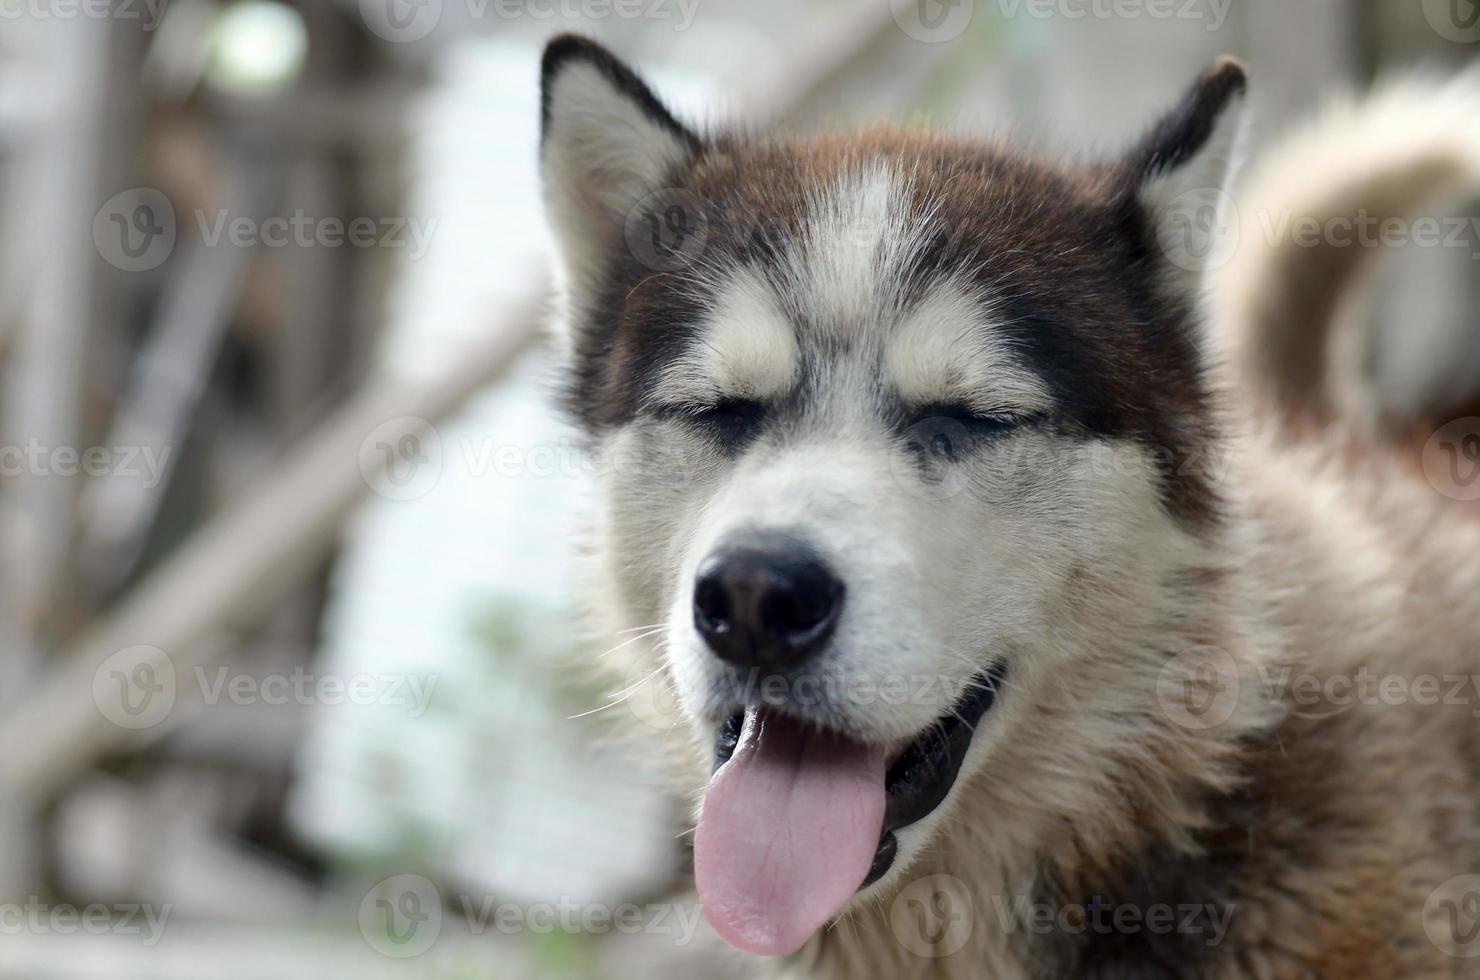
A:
[797,819]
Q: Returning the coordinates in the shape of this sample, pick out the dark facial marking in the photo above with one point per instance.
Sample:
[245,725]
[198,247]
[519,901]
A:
[732,424]
[1068,254]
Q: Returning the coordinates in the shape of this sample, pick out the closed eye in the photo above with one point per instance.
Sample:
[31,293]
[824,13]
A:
[731,422]
[983,422]
[950,431]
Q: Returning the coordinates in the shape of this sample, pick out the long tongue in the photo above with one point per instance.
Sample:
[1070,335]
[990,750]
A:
[788,833]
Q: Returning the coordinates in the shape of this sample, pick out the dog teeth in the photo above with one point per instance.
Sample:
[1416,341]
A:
[727,737]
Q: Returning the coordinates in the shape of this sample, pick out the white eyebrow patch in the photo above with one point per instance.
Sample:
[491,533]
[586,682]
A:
[745,348]
[858,239]
[944,351]
[853,232]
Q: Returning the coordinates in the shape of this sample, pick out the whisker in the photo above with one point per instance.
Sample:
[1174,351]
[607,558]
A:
[631,640]
[619,697]
[636,629]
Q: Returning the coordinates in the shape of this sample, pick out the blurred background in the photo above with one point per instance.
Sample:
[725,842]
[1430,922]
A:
[293,676]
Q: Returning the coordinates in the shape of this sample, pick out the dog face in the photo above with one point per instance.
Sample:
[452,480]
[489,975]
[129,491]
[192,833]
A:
[894,430]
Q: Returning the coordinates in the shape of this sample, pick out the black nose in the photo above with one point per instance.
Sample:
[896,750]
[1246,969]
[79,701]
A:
[766,603]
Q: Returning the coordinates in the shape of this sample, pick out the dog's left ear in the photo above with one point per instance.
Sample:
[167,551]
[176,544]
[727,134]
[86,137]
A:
[1179,170]
[606,142]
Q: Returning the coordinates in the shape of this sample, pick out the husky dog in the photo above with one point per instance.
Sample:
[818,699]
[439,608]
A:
[1021,623]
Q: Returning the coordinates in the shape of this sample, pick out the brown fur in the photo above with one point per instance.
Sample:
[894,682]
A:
[1073,236]
[1331,837]
[1321,833]
[1326,836]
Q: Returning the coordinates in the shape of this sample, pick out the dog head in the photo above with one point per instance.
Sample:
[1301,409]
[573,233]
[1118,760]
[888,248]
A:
[896,433]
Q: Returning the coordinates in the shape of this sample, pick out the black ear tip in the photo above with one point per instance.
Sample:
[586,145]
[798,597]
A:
[1227,76]
[1183,132]
[563,49]
[566,50]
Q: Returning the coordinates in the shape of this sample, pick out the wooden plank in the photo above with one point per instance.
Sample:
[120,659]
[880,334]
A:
[242,563]
[237,567]
[169,378]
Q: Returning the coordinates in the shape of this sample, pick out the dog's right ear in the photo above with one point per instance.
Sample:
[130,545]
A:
[1179,170]
[605,143]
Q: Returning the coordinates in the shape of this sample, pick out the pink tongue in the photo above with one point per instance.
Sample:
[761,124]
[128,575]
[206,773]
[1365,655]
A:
[788,833]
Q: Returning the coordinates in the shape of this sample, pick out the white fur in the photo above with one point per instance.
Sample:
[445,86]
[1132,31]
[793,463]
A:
[601,155]
[858,234]
[1398,153]
[946,573]
[941,353]
[1054,556]
[1194,216]
[745,348]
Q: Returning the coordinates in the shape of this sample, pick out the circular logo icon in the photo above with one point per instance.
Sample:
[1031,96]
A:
[402,916]
[1451,917]
[401,21]
[667,229]
[933,917]
[933,21]
[1199,688]
[1451,459]
[924,469]
[401,459]
[135,229]
[135,688]
[649,694]
[1199,229]
[1454,20]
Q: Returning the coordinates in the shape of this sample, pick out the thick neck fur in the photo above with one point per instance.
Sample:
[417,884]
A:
[1096,792]
[1102,780]
[1099,789]
[1275,829]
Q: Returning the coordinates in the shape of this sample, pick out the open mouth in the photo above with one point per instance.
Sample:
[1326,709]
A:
[798,819]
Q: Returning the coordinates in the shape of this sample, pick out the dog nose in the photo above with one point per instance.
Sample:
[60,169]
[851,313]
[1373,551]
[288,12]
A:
[766,604]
